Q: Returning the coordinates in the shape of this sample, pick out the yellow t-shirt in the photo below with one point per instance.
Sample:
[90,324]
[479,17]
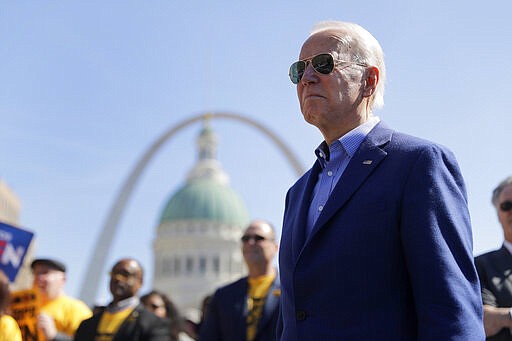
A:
[110,323]
[9,330]
[258,290]
[67,313]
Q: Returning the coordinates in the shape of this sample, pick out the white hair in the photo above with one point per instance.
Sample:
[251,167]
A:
[497,191]
[362,48]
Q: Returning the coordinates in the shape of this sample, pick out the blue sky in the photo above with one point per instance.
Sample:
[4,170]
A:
[87,86]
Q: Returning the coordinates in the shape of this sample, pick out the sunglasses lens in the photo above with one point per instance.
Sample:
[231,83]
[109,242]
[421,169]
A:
[323,63]
[506,206]
[256,238]
[296,71]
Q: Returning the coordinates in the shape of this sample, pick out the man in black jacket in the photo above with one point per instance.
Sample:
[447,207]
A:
[494,270]
[125,318]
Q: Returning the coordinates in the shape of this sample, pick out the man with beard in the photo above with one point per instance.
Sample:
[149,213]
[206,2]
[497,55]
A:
[125,318]
[247,309]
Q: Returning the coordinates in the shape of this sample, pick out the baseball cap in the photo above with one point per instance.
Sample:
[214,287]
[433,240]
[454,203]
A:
[52,263]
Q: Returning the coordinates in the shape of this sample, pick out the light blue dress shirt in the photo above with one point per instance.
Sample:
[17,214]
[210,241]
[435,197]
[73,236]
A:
[334,160]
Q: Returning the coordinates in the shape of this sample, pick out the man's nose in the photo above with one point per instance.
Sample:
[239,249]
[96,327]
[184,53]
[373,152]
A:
[309,75]
[40,278]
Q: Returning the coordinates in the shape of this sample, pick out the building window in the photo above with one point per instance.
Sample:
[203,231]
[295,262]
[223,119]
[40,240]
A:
[177,265]
[202,265]
[216,265]
[167,267]
[189,265]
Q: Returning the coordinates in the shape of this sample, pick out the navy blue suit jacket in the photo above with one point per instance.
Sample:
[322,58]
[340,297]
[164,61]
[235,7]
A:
[226,319]
[390,256]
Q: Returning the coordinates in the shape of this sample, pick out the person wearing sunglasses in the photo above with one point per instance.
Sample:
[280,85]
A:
[247,309]
[495,268]
[376,241]
[125,318]
[162,306]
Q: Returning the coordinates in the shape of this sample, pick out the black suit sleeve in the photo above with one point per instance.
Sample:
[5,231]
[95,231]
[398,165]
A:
[210,328]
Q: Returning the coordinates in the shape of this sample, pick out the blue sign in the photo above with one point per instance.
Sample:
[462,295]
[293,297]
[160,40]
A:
[14,244]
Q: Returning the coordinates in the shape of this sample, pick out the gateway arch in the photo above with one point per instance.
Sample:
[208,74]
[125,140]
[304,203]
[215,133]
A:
[97,262]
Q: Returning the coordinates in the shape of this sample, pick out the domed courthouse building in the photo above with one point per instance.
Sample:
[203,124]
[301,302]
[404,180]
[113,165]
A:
[197,245]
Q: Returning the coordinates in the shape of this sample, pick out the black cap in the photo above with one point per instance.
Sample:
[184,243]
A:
[52,263]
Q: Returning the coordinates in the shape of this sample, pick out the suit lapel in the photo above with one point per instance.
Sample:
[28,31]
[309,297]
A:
[299,225]
[270,306]
[504,260]
[95,321]
[363,163]
[241,309]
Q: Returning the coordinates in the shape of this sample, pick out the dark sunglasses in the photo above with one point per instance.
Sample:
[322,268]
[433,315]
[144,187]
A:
[255,237]
[506,206]
[322,63]
[124,276]
[155,306]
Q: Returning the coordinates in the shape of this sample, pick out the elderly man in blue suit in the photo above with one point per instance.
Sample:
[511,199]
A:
[248,308]
[376,241]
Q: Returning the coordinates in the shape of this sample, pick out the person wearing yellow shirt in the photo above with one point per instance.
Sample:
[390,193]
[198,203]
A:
[60,315]
[9,329]
[248,308]
[125,318]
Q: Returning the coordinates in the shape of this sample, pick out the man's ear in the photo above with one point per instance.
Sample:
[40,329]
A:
[371,81]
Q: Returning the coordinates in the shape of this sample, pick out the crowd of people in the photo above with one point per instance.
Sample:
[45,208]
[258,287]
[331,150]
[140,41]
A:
[244,310]
[376,239]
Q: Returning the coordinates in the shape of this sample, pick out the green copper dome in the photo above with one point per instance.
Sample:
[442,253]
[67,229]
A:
[206,199]
[206,194]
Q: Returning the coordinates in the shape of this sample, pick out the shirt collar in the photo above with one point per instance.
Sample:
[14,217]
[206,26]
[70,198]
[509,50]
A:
[508,245]
[350,141]
[130,302]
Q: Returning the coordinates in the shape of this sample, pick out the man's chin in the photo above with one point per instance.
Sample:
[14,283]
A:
[313,119]
[310,117]
[119,292]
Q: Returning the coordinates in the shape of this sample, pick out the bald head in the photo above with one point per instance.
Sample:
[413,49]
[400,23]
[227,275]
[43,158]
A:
[125,279]
[264,226]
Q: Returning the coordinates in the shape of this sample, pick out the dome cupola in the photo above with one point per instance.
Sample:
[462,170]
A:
[206,194]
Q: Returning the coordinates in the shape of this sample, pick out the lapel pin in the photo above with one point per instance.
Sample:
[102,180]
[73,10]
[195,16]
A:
[367,162]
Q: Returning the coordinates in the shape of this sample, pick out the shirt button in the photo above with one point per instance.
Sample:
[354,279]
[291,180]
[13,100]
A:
[329,173]
[300,315]
[320,208]
[321,154]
